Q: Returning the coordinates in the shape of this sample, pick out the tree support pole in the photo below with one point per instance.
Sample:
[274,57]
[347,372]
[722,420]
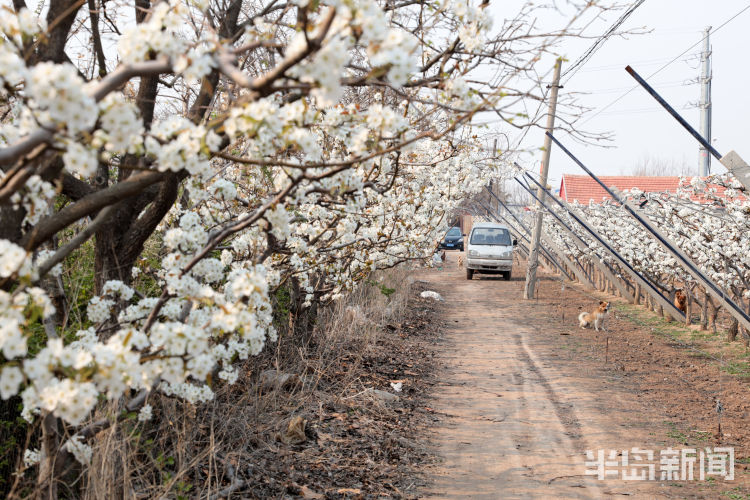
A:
[732,161]
[561,255]
[735,310]
[646,285]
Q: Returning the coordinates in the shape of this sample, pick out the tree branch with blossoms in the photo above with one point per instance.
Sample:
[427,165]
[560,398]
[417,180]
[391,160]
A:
[237,147]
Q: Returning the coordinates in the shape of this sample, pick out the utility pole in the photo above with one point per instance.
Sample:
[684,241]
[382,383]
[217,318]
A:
[492,181]
[536,235]
[704,157]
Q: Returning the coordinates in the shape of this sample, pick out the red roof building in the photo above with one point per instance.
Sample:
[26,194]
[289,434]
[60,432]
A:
[584,190]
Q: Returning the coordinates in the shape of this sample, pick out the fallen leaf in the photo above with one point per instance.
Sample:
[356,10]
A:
[306,492]
[295,431]
[323,437]
[349,491]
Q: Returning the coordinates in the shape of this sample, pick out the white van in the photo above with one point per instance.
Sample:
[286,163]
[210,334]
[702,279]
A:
[489,250]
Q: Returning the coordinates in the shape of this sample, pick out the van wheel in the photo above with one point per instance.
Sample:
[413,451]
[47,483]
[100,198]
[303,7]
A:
[506,276]
[469,274]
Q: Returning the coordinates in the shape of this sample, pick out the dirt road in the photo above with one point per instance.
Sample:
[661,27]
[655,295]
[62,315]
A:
[521,405]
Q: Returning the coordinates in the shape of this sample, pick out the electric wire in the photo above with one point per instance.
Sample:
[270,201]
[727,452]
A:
[667,64]
[568,73]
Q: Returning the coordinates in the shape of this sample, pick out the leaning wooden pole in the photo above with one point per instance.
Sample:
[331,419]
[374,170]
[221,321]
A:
[529,289]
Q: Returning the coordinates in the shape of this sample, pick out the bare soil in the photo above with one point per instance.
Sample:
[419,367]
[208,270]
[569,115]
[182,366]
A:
[523,392]
[355,444]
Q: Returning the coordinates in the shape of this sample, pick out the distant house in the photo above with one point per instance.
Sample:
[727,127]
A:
[583,189]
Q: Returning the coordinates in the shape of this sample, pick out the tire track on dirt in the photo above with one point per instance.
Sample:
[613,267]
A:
[521,414]
[511,434]
[565,411]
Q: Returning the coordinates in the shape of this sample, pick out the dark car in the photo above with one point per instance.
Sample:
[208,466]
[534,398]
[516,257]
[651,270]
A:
[453,240]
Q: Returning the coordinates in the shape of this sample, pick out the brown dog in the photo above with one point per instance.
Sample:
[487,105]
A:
[595,318]
[680,300]
[460,261]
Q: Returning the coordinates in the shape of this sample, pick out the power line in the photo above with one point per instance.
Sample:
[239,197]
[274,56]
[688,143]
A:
[639,111]
[582,60]
[610,67]
[600,41]
[614,90]
[667,64]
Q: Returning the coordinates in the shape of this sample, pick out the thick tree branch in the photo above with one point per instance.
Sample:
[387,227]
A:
[74,188]
[88,205]
[60,18]
[263,85]
[97,39]
[77,241]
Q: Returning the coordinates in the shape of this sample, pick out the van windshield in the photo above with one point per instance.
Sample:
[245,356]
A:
[490,236]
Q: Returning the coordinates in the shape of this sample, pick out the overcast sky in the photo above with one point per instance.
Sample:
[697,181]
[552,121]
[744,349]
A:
[642,129]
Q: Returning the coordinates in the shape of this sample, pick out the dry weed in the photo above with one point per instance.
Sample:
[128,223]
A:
[214,449]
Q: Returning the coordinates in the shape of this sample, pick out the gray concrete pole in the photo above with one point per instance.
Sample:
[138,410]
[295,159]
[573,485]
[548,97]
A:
[705,104]
[533,263]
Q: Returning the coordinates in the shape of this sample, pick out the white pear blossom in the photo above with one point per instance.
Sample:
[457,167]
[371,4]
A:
[145,413]
[13,258]
[31,457]
[80,160]
[11,378]
[80,450]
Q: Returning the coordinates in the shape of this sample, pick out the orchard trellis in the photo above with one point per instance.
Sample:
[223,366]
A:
[665,241]
[711,237]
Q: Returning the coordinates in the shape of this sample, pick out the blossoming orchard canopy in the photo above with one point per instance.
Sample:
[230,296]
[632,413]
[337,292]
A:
[583,189]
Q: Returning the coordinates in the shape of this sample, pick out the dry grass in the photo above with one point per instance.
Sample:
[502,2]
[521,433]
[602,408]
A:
[217,448]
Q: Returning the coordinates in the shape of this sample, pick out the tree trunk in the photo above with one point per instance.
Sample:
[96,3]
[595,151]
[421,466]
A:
[714,313]
[10,222]
[733,330]
[704,313]
[120,241]
[48,467]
